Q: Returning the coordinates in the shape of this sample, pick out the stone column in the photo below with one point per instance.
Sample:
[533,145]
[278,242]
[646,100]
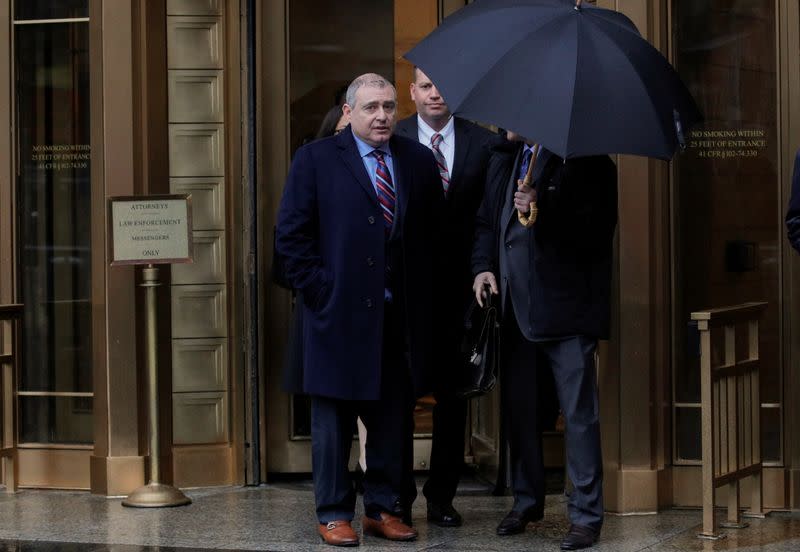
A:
[117,466]
[634,370]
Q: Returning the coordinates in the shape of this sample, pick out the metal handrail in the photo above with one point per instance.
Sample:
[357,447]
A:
[10,355]
[731,414]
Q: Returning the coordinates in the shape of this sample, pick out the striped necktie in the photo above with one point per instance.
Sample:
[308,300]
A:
[436,139]
[385,189]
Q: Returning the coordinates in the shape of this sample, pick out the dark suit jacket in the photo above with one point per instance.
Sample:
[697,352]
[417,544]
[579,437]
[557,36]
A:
[570,243]
[467,182]
[331,237]
[793,213]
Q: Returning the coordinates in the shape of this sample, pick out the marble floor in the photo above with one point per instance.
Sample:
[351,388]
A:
[280,518]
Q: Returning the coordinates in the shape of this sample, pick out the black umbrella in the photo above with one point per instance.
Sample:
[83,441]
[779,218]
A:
[577,78]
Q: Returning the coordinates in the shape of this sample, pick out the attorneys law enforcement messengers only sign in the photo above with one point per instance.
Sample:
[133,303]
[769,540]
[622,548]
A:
[151,229]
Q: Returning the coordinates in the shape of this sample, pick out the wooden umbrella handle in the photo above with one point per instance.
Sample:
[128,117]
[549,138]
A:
[527,220]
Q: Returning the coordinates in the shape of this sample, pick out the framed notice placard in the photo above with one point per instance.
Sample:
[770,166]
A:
[153,229]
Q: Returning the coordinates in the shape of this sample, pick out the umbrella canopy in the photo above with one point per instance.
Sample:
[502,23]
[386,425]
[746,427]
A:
[579,79]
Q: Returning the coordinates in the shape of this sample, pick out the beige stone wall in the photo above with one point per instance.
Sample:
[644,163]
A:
[200,355]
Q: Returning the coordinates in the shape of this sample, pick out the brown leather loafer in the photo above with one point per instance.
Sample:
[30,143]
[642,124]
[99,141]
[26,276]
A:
[338,533]
[389,527]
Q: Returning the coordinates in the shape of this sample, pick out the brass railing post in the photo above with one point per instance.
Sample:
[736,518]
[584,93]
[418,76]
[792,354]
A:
[708,425]
[756,501]
[731,415]
[730,384]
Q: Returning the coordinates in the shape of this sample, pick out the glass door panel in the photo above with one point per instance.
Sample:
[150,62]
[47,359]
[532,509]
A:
[726,203]
[48,10]
[53,221]
[326,53]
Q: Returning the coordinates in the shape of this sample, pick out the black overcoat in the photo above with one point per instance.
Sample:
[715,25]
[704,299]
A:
[331,238]
[465,193]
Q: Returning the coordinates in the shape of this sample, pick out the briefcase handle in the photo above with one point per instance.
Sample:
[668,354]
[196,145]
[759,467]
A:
[474,303]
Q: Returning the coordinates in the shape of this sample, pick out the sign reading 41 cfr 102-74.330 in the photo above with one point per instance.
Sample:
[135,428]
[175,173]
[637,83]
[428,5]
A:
[152,229]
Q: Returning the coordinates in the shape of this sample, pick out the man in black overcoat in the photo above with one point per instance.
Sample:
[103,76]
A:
[358,231]
[461,149]
[554,281]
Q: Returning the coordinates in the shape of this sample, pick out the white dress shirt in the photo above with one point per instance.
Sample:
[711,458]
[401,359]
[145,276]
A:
[447,145]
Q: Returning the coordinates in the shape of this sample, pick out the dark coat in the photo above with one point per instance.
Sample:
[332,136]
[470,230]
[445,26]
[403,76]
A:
[467,182]
[793,213]
[332,241]
[570,244]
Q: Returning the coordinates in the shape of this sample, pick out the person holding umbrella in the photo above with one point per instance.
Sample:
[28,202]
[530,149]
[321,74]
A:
[581,81]
[461,149]
[543,241]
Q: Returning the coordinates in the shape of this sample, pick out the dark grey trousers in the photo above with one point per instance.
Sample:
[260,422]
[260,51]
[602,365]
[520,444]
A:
[571,362]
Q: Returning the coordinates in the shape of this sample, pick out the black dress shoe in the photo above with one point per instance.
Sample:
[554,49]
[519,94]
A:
[515,522]
[403,512]
[579,537]
[444,515]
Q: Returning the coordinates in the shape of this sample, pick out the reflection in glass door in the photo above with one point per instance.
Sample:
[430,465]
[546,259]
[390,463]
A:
[51,44]
[726,205]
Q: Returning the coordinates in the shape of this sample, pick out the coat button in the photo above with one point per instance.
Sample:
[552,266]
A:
[369,303]
[370,261]
[371,219]
[508,245]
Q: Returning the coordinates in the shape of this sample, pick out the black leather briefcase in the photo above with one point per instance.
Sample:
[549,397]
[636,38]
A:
[480,349]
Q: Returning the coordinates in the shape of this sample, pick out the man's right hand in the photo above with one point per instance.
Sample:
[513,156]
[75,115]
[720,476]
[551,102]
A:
[481,281]
[523,197]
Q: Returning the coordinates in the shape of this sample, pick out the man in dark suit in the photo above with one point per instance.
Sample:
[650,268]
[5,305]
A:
[461,149]
[554,281]
[358,232]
